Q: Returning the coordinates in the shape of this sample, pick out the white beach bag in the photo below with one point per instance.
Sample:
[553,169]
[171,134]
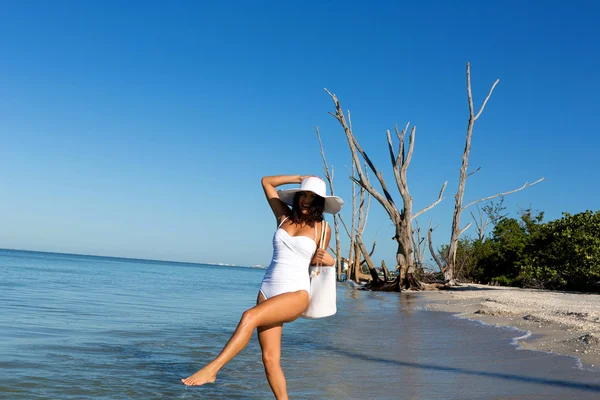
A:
[322,300]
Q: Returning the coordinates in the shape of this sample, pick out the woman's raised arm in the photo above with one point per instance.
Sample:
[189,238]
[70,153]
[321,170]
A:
[269,184]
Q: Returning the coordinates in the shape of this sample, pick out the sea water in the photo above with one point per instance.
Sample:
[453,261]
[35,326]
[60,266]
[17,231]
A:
[77,327]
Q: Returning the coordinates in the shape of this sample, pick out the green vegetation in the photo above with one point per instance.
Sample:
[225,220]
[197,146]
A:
[561,254]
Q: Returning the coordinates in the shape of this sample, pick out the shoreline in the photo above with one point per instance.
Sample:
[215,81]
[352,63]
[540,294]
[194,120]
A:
[560,323]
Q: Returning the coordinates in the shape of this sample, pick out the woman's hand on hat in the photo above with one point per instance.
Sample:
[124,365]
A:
[303,177]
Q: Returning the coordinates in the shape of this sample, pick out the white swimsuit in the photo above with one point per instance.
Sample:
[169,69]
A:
[288,271]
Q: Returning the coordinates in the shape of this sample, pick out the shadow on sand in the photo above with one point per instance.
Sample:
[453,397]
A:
[591,387]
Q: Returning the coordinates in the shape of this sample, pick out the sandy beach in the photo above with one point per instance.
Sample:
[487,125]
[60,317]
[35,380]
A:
[560,322]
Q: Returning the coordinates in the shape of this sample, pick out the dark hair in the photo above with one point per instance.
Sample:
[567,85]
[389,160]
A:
[315,213]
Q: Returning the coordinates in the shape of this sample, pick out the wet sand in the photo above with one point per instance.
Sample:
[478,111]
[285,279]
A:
[559,322]
[390,346]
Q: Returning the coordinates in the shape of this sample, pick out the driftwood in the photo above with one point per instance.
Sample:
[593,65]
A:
[376,283]
[386,274]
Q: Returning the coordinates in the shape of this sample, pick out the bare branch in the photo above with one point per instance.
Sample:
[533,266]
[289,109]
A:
[366,218]
[396,159]
[481,223]
[361,212]
[400,159]
[464,229]
[391,148]
[432,251]
[475,219]
[411,146]
[373,248]
[345,226]
[350,120]
[474,172]
[352,247]
[418,248]
[378,175]
[355,148]
[469,94]
[526,185]
[487,98]
[328,176]
[435,203]
[370,254]
[471,108]
[367,260]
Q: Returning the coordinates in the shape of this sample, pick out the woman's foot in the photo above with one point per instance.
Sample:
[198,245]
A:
[205,375]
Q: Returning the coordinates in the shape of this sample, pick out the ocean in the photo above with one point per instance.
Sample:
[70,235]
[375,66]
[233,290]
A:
[87,327]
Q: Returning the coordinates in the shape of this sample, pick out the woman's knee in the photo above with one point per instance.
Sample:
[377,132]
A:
[271,361]
[249,319]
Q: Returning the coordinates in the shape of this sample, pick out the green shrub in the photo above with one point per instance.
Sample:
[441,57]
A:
[565,254]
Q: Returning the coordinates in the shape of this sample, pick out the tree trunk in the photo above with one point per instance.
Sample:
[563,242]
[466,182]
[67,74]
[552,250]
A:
[405,259]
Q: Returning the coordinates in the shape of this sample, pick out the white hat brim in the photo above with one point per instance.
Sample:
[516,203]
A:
[333,204]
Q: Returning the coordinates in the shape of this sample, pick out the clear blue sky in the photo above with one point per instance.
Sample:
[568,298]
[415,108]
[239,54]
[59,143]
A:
[142,129]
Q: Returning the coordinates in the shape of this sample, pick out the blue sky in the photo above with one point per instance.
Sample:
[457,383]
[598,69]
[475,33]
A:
[142,130]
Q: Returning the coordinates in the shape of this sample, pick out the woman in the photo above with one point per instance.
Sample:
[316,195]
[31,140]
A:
[284,291]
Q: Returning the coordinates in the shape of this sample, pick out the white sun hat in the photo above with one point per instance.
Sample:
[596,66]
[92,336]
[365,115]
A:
[333,204]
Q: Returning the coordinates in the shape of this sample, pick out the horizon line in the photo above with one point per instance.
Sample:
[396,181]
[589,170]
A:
[127,258]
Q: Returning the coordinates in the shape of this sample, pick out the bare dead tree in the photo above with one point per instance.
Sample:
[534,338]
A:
[489,213]
[495,210]
[419,245]
[351,260]
[458,207]
[363,214]
[432,251]
[402,219]
[481,223]
[329,177]
[360,216]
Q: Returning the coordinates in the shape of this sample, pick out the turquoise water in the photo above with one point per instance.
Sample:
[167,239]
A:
[75,327]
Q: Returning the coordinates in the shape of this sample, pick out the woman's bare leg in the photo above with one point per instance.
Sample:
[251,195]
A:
[269,338]
[270,343]
[285,307]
